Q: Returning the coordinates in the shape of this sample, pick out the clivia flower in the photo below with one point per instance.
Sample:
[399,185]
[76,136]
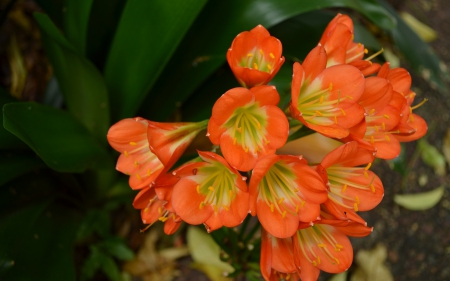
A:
[351,188]
[325,246]
[255,57]
[284,190]
[155,204]
[170,140]
[210,192]
[247,124]
[129,137]
[325,99]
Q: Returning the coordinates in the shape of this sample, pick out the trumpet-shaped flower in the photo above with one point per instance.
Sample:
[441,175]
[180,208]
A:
[351,188]
[248,124]
[129,137]
[255,57]
[170,140]
[210,192]
[325,246]
[284,190]
[325,99]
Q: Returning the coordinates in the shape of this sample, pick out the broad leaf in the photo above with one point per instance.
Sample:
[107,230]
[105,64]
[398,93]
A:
[76,18]
[58,138]
[204,47]
[147,35]
[8,140]
[80,82]
[16,163]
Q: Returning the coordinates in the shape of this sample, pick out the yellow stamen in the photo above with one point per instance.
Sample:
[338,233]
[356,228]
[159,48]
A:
[368,166]
[281,200]
[138,176]
[372,187]
[339,246]
[419,105]
[283,215]
[198,189]
[136,163]
[271,208]
[357,200]
[371,111]
[249,55]
[269,66]
[374,55]
[344,188]
[319,113]
[201,205]
[387,137]
[271,55]
[383,126]
[133,143]
[386,116]
[234,141]
[366,175]
[261,52]
[255,66]
[159,210]
[149,172]
[343,112]
[321,99]
[321,245]
[125,153]
[366,51]
[225,207]
[211,188]
[163,219]
[355,207]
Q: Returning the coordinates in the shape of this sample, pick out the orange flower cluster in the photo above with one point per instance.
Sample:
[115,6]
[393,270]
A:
[307,211]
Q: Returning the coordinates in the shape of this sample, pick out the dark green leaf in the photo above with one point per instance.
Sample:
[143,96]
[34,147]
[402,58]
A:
[57,137]
[8,140]
[16,163]
[76,17]
[80,82]
[117,248]
[204,47]
[92,263]
[110,268]
[39,239]
[148,34]
[421,56]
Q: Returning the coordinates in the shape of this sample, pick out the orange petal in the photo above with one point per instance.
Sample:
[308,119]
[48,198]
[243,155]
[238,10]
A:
[297,81]
[265,95]
[237,211]
[274,223]
[171,226]
[228,102]
[419,125]
[236,155]
[308,212]
[377,93]
[186,202]
[314,63]
[213,223]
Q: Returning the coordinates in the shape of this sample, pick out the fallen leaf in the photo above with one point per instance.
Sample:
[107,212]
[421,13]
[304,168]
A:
[420,201]
[371,265]
[432,157]
[425,32]
[205,252]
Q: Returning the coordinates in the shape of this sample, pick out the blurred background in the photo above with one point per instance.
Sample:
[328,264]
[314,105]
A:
[69,69]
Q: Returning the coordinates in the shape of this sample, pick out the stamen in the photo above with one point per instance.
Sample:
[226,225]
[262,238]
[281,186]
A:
[249,55]
[138,176]
[234,140]
[211,188]
[281,200]
[125,153]
[343,112]
[225,207]
[319,113]
[357,200]
[355,207]
[344,188]
[255,66]
[271,55]
[283,215]
[386,116]
[133,143]
[374,55]
[321,99]
[261,52]
[371,111]
[269,66]
[163,219]
[149,172]
[271,208]
[368,166]
[383,126]
[198,189]
[387,137]
[419,105]
[321,245]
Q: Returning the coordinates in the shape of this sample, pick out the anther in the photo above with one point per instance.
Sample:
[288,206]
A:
[211,188]
[344,188]
[201,205]
[133,143]
[321,245]
[330,87]
[343,112]
[319,113]
[255,66]
[283,215]
[136,163]
[149,172]
[234,141]
[387,137]
[335,119]
[125,153]
[198,189]
[371,111]
[246,149]
[271,208]
[163,219]
[355,207]
[372,187]
[368,166]
[249,55]
[225,207]
[357,200]
[386,116]
[366,51]
[281,200]
[383,126]
[271,55]
[159,210]
[261,52]
[269,66]
[321,99]
[366,175]
[138,176]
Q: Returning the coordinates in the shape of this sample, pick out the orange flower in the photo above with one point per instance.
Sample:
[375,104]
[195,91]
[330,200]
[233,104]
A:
[255,57]
[129,137]
[337,39]
[325,246]
[325,99]
[351,188]
[248,124]
[155,204]
[277,258]
[210,192]
[170,140]
[284,190]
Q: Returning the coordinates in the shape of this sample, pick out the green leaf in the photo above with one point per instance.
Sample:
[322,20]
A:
[425,32]
[8,140]
[432,157]
[420,201]
[99,260]
[420,55]
[76,17]
[204,250]
[57,137]
[117,248]
[147,35]
[204,47]
[110,268]
[39,239]
[16,163]
[80,82]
